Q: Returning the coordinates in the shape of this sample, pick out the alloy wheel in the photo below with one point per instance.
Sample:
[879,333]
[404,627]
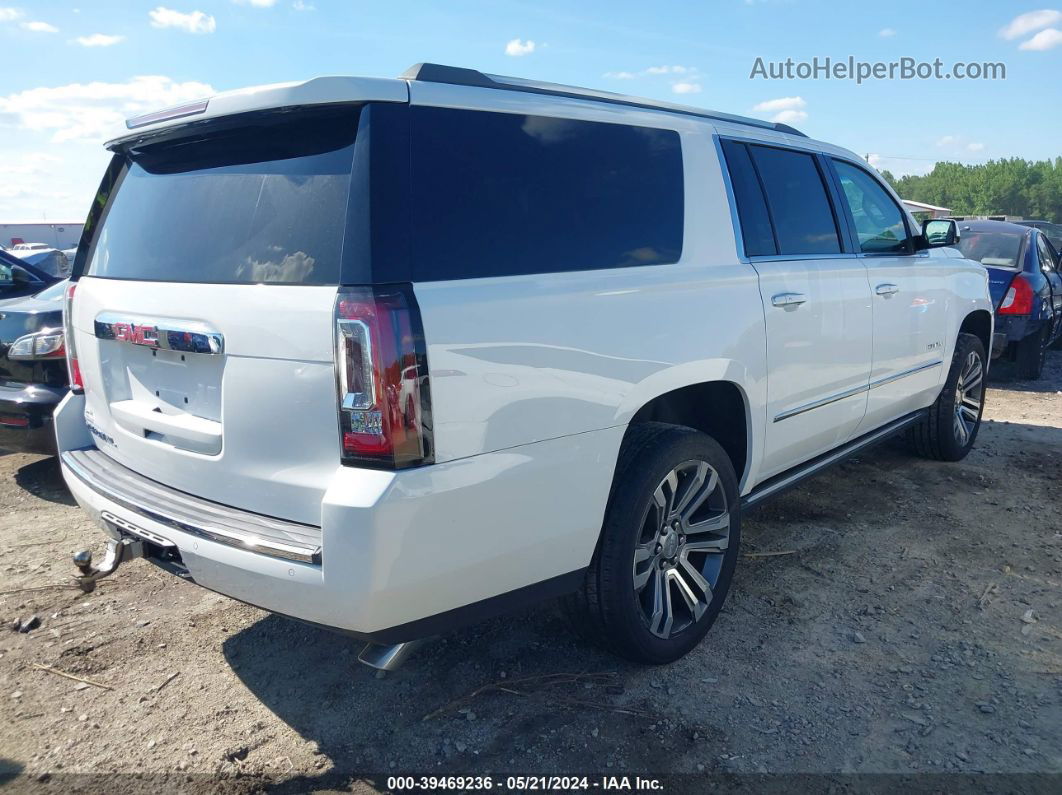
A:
[969,393]
[685,532]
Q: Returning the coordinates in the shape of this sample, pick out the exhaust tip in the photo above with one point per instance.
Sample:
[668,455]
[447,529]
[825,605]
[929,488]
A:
[388,658]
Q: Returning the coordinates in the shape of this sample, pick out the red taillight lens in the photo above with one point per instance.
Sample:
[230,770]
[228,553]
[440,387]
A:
[382,378]
[1019,298]
[76,384]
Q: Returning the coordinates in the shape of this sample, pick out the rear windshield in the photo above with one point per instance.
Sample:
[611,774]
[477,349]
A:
[992,249]
[258,203]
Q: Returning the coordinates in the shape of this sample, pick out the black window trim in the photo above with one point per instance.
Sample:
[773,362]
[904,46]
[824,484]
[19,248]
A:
[849,219]
[826,174]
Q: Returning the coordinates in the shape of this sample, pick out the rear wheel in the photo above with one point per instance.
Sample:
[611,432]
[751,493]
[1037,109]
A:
[1032,355]
[950,427]
[668,546]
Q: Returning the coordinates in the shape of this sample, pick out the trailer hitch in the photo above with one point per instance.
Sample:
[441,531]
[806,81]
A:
[117,552]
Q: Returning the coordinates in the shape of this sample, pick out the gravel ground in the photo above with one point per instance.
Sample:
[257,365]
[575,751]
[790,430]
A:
[893,616]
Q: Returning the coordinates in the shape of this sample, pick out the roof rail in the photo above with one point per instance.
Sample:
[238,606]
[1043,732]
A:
[460,76]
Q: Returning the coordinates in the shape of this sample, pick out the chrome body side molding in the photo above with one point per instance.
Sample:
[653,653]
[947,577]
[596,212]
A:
[856,390]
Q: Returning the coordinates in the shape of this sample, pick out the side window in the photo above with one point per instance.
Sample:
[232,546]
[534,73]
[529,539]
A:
[1048,261]
[800,209]
[501,194]
[878,220]
[751,207]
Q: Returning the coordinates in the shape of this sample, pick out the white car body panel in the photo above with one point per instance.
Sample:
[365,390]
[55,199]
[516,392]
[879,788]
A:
[533,378]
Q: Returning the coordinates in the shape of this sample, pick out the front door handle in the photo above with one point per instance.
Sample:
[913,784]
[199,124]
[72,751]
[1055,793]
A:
[886,289]
[788,299]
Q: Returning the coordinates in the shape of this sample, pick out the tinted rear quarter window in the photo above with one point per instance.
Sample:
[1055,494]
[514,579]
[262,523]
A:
[261,203]
[800,209]
[501,194]
[752,209]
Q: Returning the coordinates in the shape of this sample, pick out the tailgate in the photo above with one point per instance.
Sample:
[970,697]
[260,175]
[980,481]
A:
[204,315]
[252,425]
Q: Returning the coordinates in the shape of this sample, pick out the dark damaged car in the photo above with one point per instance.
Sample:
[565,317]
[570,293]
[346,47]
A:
[33,374]
[1025,279]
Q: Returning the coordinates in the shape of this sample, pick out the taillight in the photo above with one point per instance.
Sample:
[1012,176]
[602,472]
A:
[1019,298]
[76,384]
[382,378]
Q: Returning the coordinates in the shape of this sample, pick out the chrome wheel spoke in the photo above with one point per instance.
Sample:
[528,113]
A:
[663,616]
[715,545]
[960,428]
[968,413]
[693,586]
[713,524]
[699,489]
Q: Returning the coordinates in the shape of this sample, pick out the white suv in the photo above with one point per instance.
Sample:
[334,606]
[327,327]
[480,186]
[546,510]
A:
[390,356]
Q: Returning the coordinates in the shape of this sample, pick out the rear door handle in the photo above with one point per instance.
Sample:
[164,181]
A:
[886,289]
[788,299]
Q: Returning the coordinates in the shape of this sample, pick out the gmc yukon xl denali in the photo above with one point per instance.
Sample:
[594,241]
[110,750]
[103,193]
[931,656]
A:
[390,356]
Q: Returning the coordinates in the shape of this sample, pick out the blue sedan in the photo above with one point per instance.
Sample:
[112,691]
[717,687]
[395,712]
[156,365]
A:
[1025,279]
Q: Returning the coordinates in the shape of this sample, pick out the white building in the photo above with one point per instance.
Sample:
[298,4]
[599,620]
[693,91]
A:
[930,210]
[57,234]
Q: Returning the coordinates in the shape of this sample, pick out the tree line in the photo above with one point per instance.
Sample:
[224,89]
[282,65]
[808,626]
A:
[1014,186]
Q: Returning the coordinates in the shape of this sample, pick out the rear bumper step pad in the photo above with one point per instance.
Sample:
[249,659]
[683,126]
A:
[193,515]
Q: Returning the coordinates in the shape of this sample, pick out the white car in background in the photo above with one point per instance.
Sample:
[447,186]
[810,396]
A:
[390,356]
[50,260]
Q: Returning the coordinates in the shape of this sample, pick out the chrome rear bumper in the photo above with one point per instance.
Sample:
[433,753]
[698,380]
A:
[193,515]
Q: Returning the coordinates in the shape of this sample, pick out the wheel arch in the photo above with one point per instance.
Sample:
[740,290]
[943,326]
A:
[719,408]
[979,323]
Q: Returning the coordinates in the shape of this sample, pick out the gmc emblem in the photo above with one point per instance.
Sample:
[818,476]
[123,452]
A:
[136,334]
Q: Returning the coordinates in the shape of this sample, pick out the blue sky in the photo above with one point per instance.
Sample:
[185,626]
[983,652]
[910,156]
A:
[74,70]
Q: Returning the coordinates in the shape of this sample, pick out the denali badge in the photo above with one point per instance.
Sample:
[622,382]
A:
[173,335]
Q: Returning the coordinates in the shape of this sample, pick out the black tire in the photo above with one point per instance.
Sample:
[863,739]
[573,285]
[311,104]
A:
[1031,355]
[938,436]
[609,608]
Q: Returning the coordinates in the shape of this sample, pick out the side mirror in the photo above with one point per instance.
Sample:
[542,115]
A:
[937,232]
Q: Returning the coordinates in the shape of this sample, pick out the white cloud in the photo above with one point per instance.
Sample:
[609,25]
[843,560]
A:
[686,87]
[93,111]
[99,40]
[192,22]
[9,14]
[516,48]
[947,140]
[1044,40]
[901,166]
[1030,21]
[780,104]
[256,3]
[667,70]
[299,5]
[975,146]
[620,75]
[789,116]
[38,27]
[887,33]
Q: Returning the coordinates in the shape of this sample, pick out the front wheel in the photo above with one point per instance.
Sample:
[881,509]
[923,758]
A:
[951,424]
[668,546]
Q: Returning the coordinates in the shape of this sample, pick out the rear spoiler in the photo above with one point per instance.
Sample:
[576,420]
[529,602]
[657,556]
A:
[319,91]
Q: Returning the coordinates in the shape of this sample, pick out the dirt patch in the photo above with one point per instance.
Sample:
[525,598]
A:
[913,628]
